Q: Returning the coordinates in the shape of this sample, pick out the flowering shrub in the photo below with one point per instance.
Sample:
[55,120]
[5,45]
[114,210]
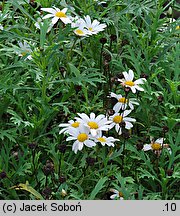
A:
[89,100]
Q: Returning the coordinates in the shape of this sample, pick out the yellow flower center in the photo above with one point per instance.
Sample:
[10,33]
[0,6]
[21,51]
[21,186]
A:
[93,125]
[156,146]
[82,137]
[60,14]
[75,124]
[90,29]
[129,83]
[123,100]
[79,32]
[102,139]
[120,194]
[117,119]
[177,27]
[24,53]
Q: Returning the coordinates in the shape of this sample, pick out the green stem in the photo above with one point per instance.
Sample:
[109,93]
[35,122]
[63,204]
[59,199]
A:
[82,56]
[71,50]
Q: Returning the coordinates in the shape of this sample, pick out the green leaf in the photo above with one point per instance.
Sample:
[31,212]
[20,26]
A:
[145,173]
[98,187]
[74,70]
[28,188]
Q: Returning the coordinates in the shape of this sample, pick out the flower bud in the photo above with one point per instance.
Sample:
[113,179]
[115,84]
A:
[62,179]
[113,37]
[62,148]
[160,98]
[115,80]
[32,145]
[125,134]
[77,88]
[169,172]
[48,168]
[3,175]
[107,57]
[46,192]
[165,129]
[143,75]
[139,146]
[103,40]
[63,193]
[90,161]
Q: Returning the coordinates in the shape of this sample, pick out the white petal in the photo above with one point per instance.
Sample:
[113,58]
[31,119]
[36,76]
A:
[71,138]
[92,116]
[93,132]
[48,16]
[63,125]
[114,196]
[139,88]
[113,95]
[133,89]
[75,146]
[126,76]
[54,20]
[114,191]
[131,106]
[126,112]
[80,146]
[131,75]
[88,20]
[84,129]
[89,143]
[84,116]
[160,141]
[65,20]
[117,107]
[128,125]
[140,81]
[100,117]
[50,10]
[129,119]
[120,131]
[64,10]
[147,147]
[64,130]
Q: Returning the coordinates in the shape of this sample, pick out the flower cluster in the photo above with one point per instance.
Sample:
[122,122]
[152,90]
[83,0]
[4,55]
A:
[88,131]
[82,27]
[120,118]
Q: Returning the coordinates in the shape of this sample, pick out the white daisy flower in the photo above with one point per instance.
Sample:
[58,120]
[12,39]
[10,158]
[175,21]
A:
[78,25]
[24,50]
[128,81]
[67,126]
[118,118]
[117,194]
[82,137]
[123,102]
[95,124]
[93,27]
[156,146]
[57,14]
[106,140]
